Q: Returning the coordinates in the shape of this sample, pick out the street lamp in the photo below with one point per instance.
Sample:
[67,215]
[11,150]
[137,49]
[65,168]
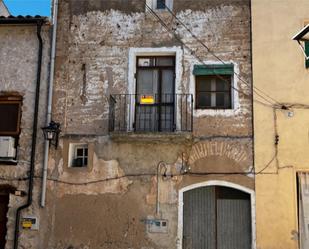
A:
[51,133]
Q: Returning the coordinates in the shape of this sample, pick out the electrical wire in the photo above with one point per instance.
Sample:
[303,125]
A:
[267,165]
[217,57]
[188,48]
[101,180]
[251,172]
[14,178]
[192,52]
[189,172]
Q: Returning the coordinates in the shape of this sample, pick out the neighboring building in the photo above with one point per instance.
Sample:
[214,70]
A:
[134,100]
[3,9]
[281,124]
[20,76]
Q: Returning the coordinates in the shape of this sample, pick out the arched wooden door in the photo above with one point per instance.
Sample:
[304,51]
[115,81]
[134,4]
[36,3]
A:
[216,217]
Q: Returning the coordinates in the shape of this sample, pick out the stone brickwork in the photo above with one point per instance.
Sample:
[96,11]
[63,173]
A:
[105,206]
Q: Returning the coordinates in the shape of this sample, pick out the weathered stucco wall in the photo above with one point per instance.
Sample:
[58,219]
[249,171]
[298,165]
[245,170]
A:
[279,70]
[95,39]
[18,70]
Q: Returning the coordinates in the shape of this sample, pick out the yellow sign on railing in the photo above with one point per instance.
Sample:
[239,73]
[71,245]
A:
[147,100]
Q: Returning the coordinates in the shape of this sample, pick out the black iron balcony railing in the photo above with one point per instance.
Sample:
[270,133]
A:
[151,113]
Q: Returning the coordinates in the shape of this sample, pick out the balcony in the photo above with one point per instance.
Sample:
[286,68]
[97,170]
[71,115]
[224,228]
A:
[151,114]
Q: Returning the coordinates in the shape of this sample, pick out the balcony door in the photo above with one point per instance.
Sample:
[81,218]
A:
[155,94]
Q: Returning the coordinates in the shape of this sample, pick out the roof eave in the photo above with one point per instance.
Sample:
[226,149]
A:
[7,9]
[300,35]
[21,20]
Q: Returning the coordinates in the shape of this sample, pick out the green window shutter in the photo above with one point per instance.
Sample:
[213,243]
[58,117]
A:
[307,53]
[225,69]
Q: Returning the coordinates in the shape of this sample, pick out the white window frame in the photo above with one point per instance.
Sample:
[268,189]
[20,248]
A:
[236,108]
[153,4]
[73,153]
[163,51]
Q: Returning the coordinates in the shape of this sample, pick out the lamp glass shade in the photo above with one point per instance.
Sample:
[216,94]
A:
[50,135]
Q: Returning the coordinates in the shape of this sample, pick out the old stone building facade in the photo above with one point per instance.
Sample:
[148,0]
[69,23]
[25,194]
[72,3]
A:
[143,129]
[19,84]
[154,100]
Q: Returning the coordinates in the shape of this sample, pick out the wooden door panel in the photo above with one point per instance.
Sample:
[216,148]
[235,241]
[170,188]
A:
[216,217]
[199,219]
[4,201]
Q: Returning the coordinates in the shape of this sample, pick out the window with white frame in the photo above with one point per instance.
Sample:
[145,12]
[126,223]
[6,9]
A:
[213,86]
[78,155]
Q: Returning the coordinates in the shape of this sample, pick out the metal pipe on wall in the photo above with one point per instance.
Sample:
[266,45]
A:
[49,100]
[159,167]
[34,135]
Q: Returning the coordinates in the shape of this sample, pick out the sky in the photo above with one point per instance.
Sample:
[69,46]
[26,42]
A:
[28,7]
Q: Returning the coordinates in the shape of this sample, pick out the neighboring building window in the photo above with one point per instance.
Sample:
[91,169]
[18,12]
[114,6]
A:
[78,155]
[10,113]
[213,86]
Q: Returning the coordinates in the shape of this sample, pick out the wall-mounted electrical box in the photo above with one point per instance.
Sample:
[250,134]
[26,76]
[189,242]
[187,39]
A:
[7,149]
[157,226]
[30,222]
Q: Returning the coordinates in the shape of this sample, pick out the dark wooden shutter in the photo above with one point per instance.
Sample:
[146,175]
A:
[233,219]
[10,110]
[199,214]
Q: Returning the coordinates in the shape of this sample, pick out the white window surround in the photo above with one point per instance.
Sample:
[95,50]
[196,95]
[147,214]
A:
[215,183]
[135,52]
[234,98]
[72,152]
[153,4]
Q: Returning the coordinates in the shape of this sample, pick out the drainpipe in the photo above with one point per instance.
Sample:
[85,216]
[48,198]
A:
[34,134]
[49,101]
[159,167]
